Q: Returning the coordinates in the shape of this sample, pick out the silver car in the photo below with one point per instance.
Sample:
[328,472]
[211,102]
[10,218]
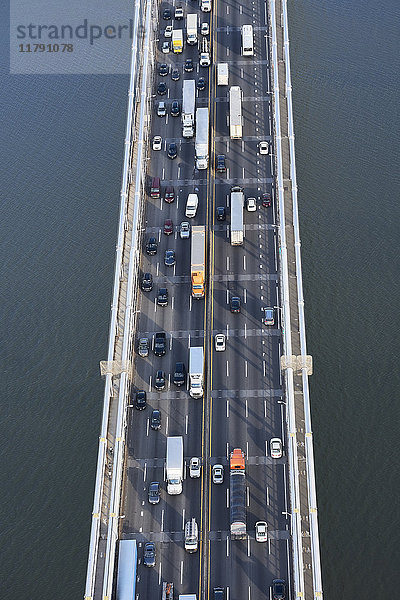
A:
[218,474]
[219,341]
[143,349]
[184,230]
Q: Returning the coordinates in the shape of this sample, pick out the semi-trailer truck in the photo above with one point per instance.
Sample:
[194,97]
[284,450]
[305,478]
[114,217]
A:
[191,29]
[201,145]
[198,261]
[188,106]
[177,40]
[235,113]
[174,465]
[196,363]
[237,226]
[237,485]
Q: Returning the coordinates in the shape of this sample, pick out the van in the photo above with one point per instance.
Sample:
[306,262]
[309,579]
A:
[162,109]
[191,205]
[155,187]
[191,536]
[222,74]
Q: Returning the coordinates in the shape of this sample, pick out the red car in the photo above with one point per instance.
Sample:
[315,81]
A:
[169,195]
[266,199]
[168,226]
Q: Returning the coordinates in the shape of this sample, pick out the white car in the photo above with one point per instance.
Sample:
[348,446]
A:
[166,47]
[219,342]
[184,230]
[251,204]
[263,147]
[205,29]
[168,31]
[276,448]
[218,474]
[261,531]
[194,467]
[157,142]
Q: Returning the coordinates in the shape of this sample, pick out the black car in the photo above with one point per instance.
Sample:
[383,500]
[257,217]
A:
[218,593]
[220,166]
[169,258]
[175,75]
[235,304]
[149,554]
[163,69]
[160,344]
[151,246]
[162,297]
[179,374]
[166,14]
[201,84]
[175,109]
[188,65]
[221,213]
[159,381]
[154,492]
[162,89]
[147,282]
[172,150]
[266,199]
[278,589]
[169,195]
[141,400]
[155,421]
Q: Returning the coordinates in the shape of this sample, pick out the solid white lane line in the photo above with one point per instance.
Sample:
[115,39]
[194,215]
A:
[248,554]
[245,331]
[144,471]
[248,495]
[147,428]
[244,262]
[247,409]
[159,574]
[247,450]
[227,589]
[265,409]
[227,331]
[150,383]
[266,447]
[227,498]
[245,369]
[186,423]
[264,368]
[227,368]
[227,409]
[227,264]
[227,553]
[245,295]
[183,518]
[155,304]
[227,296]
[269,546]
[267,496]
[162,520]
[157,269]
[181,572]
[172,302]
[166,426]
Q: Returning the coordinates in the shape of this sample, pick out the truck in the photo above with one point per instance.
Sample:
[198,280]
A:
[188,106]
[187,597]
[198,261]
[167,591]
[235,112]
[191,29]
[192,204]
[174,465]
[222,74]
[205,60]
[201,145]
[237,227]
[177,40]
[196,362]
[191,536]
[237,487]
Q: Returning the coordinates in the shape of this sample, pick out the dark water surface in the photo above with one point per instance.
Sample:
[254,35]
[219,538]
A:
[60,169]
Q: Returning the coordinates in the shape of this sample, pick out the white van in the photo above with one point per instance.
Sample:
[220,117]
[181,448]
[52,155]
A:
[191,536]
[191,205]
[205,5]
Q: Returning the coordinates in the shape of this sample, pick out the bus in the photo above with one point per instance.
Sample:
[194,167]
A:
[235,112]
[247,40]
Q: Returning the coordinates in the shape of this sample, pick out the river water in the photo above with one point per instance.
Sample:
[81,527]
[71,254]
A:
[61,163]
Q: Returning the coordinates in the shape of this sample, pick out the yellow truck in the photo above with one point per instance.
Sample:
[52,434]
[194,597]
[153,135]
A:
[198,260]
[177,40]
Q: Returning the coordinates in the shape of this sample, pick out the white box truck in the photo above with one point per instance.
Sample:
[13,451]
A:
[174,465]
[196,360]
[205,60]
[191,29]
[192,203]
[201,145]
[188,106]
[237,227]
[222,74]
[235,112]
[187,597]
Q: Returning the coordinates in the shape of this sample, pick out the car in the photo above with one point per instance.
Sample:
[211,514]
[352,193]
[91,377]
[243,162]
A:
[251,204]
[175,75]
[141,400]
[160,343]
[261,531]
[268,316]
[163,70]
[162,297]
[235,304]
[220,163]
[149,554]
[188,65]
[263,147]
[278,589]
[157,142]
[155,420]
[175,109]
[169,195]
[201,84]
[168,31]
[218,474]
[161,89]
[219,342]
[184,230]
[218,593]
[166,46]
[151,246]
[194,467]
[172,150]
[154,492]
[147,282]
[221,213]
[276,447]
[169,258]
[266,199]
[168,226]
[166,14]
[143,347]
[205,29]
[159,381]
[179,374]
[205,5]
[178,13]
[161,109]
